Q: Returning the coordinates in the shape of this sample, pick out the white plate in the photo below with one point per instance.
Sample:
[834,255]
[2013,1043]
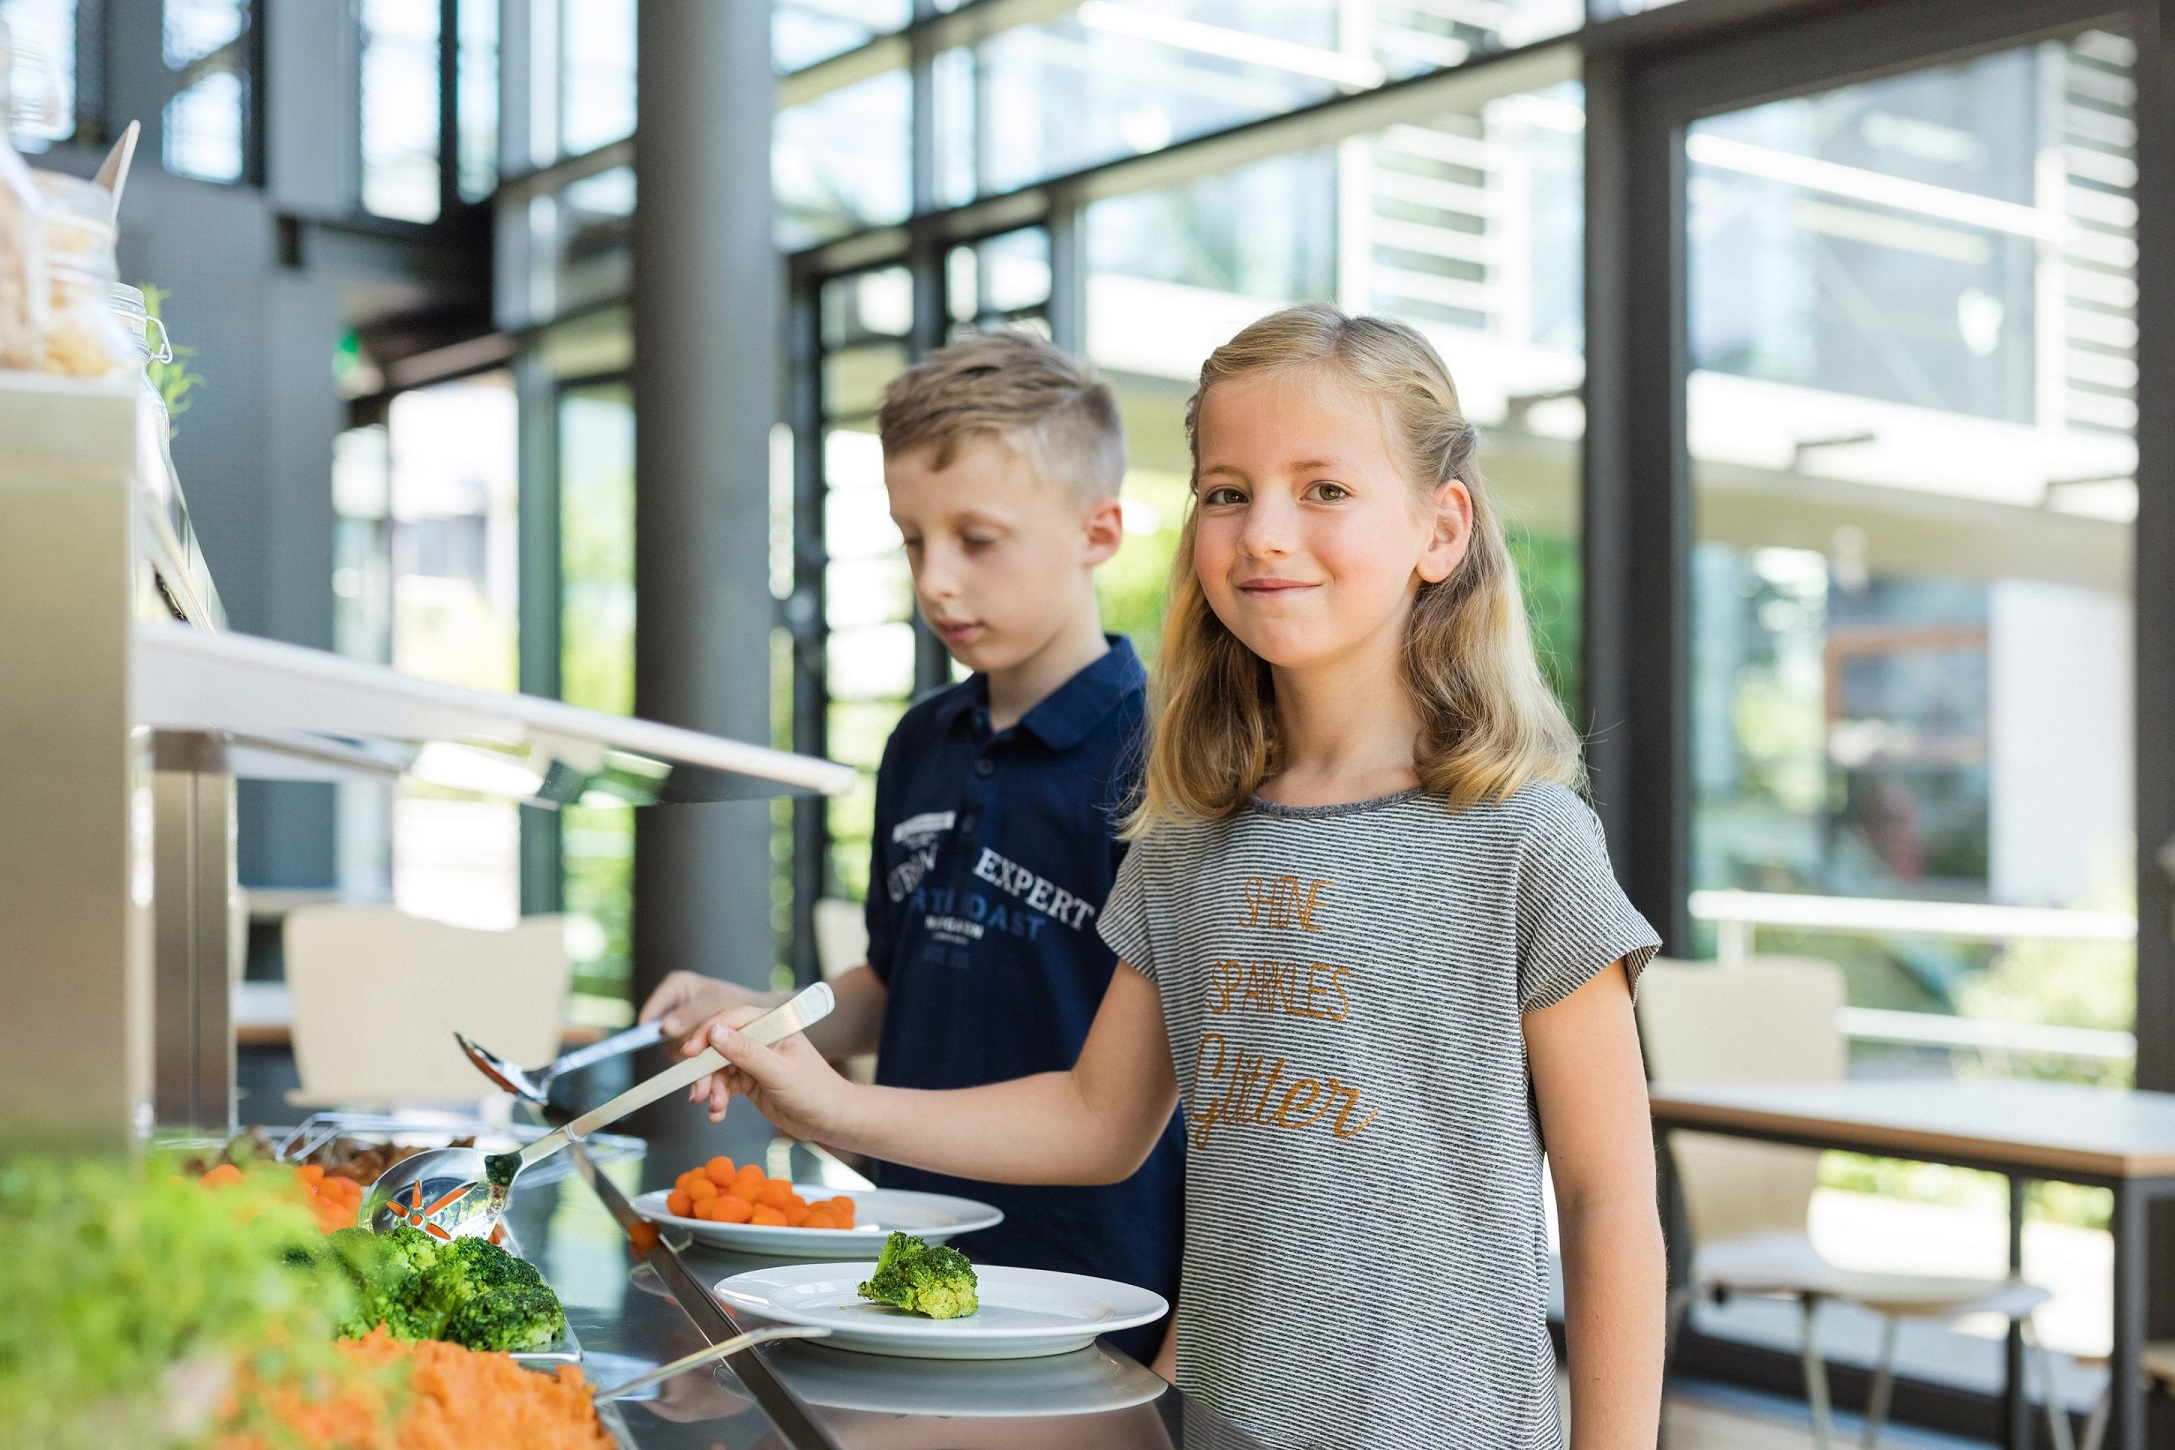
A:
[931,1217]
[1025,1313]
[1088,1381]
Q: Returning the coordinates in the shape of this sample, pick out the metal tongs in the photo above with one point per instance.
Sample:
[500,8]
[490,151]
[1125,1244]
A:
[723,1349]
[534,1083]
[452,1193]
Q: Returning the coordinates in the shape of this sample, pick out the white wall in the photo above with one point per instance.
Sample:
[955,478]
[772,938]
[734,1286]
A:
[2059,728]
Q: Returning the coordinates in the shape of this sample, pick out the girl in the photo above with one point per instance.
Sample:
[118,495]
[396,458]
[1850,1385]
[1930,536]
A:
[1370,946]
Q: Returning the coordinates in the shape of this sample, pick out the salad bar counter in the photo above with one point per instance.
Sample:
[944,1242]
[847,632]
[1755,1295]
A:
[636,1297]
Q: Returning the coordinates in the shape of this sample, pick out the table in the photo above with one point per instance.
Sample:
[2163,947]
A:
[2122,1141]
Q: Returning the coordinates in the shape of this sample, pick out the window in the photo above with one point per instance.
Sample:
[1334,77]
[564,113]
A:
[803,32]
[1911,424]
[42,75]
[454,551]
[868,592]
[596,669]
[206,124]
[596,74]
[476,98]
[400,112]
[840,162]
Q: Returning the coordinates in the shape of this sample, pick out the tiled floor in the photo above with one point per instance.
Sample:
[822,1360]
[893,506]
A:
[1717,1417]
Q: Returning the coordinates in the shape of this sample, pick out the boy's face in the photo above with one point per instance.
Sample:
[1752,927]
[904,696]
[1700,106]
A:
[1003,558]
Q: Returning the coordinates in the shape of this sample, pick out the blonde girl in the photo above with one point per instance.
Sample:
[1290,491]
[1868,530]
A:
[1370,947]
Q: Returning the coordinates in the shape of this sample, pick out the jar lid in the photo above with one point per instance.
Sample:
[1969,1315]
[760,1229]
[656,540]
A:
[83,203]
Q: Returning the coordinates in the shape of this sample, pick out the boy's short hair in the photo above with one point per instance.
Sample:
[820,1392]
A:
[1010,384]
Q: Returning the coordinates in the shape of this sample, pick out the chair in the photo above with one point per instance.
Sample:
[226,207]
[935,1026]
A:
[1774,1020]
[378,995]
[842,945]
[2158,1362]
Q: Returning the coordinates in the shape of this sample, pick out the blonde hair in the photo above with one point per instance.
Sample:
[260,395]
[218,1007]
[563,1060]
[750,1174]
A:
[1014,386]
[1488,721]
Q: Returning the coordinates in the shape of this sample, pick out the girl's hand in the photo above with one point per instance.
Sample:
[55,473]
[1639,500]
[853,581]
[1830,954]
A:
[792,1085]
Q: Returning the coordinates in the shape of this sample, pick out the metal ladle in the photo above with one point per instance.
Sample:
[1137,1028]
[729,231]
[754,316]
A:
[720,1350]
[452,1193]
[534,1083]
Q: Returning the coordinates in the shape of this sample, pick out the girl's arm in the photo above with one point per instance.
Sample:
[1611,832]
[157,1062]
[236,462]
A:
[1591,1088]
[1094,1124]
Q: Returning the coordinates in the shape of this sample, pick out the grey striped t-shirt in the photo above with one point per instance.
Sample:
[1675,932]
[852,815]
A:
[1366,1256]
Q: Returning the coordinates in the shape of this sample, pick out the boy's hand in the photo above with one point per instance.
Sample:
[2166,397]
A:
[685,1000]
[800,1093]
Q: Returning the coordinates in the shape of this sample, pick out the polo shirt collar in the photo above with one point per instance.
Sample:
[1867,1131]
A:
[1075,708]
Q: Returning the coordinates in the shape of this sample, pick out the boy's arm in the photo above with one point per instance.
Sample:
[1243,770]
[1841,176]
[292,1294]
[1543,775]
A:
[1590,1085]
[687,1001]
[1094,1124]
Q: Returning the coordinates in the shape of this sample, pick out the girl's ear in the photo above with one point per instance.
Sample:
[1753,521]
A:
[1452,515]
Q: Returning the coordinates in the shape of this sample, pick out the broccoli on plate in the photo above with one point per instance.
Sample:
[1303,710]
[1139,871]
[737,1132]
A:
[931,1279]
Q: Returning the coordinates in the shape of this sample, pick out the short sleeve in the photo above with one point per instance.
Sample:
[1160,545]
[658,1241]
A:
[1123,922]
[1573,918]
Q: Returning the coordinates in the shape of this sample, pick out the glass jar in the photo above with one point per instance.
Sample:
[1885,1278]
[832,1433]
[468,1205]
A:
[148,343]
[23,282]
[82,336]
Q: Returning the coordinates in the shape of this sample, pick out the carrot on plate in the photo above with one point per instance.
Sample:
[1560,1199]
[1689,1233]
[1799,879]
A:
[730,1209]
[701,1188]
[678,1204]
[719,1170]
[767,1216]
[775,1194]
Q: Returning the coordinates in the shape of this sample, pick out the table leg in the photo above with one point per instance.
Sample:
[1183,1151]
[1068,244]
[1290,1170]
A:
[2126,1385]
[2016,1417]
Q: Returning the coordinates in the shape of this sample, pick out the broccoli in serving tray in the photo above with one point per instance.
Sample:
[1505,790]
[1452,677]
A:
[926,1279]
[468,1291]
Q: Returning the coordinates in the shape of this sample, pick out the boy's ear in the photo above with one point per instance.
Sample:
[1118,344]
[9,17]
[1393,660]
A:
[1102,529]
[1452,535]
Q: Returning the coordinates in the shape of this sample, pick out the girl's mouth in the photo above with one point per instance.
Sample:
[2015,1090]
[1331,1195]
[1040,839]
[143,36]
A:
[1272,586]
[956,633]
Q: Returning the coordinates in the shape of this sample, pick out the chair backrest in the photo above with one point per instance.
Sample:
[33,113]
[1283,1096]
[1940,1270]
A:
[378,995]
[841,936]
[1769,1020]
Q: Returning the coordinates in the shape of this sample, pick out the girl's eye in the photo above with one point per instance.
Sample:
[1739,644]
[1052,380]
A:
[1223,494]
[1326,492]
[978,541]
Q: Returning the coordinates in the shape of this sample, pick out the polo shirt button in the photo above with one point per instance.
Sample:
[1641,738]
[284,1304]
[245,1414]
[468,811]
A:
[985,766]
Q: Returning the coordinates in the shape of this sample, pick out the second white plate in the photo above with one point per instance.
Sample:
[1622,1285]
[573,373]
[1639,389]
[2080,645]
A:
[931,1217]
[1025,1313]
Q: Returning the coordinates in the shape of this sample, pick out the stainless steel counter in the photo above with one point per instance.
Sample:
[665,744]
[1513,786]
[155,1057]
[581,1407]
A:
[628,1317]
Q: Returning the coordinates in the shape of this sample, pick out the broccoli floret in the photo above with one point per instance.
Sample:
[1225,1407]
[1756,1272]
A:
[520,1316]
[470,1291]
[935,1280]
[389,1273]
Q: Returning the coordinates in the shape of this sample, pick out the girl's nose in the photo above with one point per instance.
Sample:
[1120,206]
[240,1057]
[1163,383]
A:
[1267,532]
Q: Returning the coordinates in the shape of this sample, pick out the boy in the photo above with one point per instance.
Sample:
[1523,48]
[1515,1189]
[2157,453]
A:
[998,799]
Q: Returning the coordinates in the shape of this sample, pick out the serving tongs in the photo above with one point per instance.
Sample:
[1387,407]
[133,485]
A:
[452,1193]
[534,1083]
[723,1349]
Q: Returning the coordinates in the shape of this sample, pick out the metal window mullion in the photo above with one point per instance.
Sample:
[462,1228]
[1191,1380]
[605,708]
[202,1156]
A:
[806,617]
[540,600]
[449,105]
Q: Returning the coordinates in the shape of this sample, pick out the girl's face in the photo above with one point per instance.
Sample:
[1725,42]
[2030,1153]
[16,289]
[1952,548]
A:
[1310,541]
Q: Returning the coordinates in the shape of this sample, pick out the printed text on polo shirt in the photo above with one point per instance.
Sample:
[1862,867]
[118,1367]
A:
[1039,892]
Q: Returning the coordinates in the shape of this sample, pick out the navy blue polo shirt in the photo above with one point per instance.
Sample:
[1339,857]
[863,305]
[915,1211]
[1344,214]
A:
[993,853]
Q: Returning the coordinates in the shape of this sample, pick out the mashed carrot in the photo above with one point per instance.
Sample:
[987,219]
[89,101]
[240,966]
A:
[456,1399]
